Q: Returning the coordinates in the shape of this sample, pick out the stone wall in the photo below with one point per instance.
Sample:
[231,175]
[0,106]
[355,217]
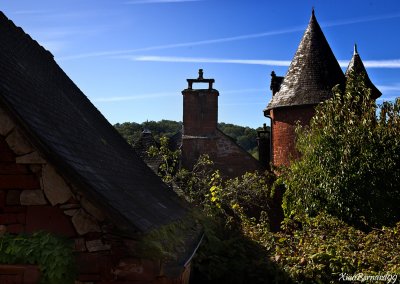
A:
[283,131]
[34,196]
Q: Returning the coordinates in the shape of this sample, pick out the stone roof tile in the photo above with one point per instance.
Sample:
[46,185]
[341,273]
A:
[312,74]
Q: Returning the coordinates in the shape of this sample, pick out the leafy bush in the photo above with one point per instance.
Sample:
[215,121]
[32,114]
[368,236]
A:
[325,249]
[350,164]
[53,255]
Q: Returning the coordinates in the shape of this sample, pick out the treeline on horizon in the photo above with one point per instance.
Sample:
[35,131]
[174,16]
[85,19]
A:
[244,136]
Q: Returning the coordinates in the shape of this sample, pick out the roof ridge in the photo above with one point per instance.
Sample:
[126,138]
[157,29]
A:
[24,36]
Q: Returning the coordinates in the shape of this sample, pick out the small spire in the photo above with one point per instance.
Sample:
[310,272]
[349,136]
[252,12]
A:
[312,11]
[200,74]
[355,49]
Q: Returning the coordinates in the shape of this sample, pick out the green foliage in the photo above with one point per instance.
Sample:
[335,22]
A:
[169,160]
[350,165]
[244,136]
[53,255]
[166,242]
[131,130]
[325,247]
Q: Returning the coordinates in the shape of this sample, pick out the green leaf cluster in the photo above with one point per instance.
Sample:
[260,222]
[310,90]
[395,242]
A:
[53,255]
[324,247]
[350,164]
[244,136]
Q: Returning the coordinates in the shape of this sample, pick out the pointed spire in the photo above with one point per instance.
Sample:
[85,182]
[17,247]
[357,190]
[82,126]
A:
[357,66]
[313,73]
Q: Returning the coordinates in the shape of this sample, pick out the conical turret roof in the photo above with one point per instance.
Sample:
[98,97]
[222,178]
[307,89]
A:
[313,73]
[357,66]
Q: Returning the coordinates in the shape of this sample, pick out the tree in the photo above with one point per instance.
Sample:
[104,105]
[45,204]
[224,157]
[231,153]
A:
[350,164]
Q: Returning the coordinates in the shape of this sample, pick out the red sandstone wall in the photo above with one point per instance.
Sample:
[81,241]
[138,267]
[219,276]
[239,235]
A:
[283,132]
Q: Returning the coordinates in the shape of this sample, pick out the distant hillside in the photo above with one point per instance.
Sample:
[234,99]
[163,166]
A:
[244,136]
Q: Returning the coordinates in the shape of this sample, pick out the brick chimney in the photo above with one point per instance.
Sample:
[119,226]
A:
[263,143]
[200,108]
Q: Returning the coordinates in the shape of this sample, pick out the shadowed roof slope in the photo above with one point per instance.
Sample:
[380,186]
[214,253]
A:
[75,136]
[312,74]
[357,66]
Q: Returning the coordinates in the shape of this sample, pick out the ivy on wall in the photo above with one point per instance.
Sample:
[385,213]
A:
[52,254]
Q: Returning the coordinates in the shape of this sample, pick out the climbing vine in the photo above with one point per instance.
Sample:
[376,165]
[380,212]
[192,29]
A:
[52,254]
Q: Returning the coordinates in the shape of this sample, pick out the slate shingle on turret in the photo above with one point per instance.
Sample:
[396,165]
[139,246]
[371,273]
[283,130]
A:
[357,66]
[312,74]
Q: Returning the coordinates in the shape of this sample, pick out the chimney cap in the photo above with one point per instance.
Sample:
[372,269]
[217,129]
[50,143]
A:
[200,79]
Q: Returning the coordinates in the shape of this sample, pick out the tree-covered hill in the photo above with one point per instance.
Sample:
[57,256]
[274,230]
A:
[244,136]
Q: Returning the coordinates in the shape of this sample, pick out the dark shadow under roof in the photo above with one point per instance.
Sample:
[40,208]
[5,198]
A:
[312,74]
[76,137]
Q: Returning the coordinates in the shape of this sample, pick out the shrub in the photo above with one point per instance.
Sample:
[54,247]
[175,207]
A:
[350,163]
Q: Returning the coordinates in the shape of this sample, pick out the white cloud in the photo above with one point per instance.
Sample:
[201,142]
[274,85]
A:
[177,59]
[184,44]
[389,89]
[165,94]
[388,63]
[359,20]
[222,39]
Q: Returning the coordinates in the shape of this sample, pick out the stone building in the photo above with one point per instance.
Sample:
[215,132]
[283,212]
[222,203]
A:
[64,169]
[312,74]
[200,134]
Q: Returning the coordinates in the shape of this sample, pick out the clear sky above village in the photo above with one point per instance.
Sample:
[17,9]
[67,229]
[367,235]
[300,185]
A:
[132,57]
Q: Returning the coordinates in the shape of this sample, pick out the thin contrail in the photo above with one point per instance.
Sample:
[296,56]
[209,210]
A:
[229,39]
[389,63]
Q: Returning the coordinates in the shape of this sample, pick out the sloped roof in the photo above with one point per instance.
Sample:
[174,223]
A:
[75,136]
[357,66]
[312,74]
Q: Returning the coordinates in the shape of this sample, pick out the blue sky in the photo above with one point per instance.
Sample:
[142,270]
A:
[132,57]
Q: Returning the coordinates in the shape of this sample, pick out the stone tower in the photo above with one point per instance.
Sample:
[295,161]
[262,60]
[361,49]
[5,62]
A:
[312,74]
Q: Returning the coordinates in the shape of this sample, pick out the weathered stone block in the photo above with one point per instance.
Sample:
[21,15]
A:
[3,229]
[6,124]
[79,244]
[32,197]
[31,158]
[18,143]
[97,245]
[85,223]
[92,210]
[70,212]
[54,186]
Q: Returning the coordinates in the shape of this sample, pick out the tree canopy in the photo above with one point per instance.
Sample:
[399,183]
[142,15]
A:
[350,164]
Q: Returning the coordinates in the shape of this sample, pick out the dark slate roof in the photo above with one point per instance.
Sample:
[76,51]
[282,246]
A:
[75,136]
[312,74]
[357,66]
